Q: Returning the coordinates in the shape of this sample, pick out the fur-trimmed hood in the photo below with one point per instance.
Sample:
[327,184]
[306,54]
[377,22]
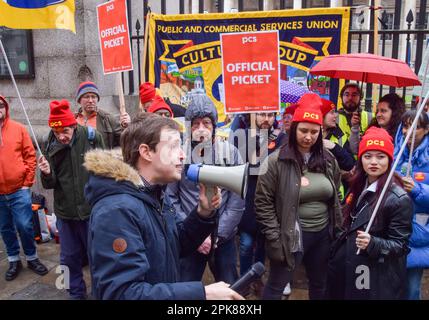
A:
[110,164]
[109,175]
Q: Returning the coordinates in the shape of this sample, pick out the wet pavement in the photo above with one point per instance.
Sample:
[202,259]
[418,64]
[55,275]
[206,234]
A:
[30,286]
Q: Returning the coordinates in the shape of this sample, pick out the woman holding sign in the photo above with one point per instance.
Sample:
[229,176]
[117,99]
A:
[297,204]
[379,270]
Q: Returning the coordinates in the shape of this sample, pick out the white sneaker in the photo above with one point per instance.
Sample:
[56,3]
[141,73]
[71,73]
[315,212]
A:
[287,290]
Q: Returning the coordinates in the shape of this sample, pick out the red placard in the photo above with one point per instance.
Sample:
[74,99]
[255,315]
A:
[251,71]
[114,37]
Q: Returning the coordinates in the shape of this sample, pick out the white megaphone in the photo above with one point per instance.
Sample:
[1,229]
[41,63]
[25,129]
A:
[231,178]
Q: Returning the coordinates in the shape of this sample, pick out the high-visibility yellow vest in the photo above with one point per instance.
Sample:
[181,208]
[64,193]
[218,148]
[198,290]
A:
[365,119]
[340,141]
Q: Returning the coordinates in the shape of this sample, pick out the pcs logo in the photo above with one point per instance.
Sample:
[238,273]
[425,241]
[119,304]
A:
[32,4]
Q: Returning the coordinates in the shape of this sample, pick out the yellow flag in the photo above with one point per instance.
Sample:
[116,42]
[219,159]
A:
[37,14]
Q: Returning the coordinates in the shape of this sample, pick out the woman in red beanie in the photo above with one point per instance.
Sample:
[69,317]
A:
[147,94]
[379,270]
[287,117]
[161,108]
[297,204]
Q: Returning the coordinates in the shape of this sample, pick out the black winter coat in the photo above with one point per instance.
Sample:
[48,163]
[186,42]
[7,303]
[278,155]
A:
[379,272]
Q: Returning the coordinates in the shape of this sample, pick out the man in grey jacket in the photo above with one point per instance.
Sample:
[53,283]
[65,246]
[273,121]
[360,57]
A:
[219,249]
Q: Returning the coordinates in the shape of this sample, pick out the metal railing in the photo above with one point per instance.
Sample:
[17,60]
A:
[359,40]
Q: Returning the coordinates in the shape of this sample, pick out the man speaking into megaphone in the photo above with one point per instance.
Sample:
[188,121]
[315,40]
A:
[219,248]
[135,238]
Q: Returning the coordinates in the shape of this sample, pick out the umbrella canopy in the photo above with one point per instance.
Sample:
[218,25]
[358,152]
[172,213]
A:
[291,92]
[367,67]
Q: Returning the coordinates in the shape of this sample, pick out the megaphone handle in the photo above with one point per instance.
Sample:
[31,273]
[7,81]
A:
[210,192]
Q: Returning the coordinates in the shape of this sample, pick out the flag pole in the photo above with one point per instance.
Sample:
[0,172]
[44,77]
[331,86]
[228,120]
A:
[145,47]
[19,96]
[375,88]
[120,92]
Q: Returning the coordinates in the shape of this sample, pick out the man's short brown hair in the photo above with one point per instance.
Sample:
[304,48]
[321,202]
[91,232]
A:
[351,85]
[144,129]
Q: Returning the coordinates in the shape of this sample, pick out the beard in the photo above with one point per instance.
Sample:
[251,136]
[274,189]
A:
[265,125]
[350,106]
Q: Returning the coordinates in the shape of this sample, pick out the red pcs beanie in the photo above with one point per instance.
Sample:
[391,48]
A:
[309,109]
[60,114]
[291,109]
[159,104]
[147,92]
[327,106]
[376,139]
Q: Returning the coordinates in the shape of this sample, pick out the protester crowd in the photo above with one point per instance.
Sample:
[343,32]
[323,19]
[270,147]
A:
[125,206]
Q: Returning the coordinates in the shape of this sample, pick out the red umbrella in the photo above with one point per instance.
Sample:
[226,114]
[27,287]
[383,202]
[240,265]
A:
[367,67]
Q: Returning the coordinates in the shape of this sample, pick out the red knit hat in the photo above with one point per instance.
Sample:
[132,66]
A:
[327,106]
[291,109]
[159,104]
[376,139]
[61,115]
[147,92]
[308,109]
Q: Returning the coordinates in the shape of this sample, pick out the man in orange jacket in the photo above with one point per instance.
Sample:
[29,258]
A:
[17,171]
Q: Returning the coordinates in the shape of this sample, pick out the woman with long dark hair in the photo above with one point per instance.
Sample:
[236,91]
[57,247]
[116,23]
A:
[297,204]
[389,112]
[379,270]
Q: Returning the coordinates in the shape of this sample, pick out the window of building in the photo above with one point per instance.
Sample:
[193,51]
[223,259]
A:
[251,5]
[389,17]
[18,45]
[360,2]
[426,19]
[315,4]
[358,20]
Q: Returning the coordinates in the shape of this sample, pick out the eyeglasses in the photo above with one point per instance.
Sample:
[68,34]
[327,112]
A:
[268,115]
[90,96]
[353,95]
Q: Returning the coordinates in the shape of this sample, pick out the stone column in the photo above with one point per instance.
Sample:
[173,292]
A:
[195,6]
[297,4]
[268,5]
[336,3]
[407,6]
[230,4]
